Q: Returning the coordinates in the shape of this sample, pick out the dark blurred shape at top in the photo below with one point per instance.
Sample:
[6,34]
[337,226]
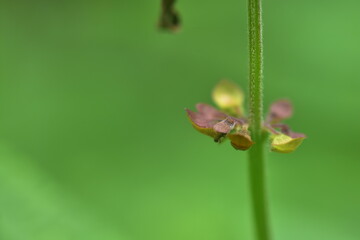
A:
[169,19]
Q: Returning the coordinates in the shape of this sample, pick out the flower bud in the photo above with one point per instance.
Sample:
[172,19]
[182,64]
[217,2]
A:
[229,97]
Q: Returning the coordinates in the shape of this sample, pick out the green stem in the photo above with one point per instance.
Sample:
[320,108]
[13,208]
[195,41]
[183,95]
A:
[258,189]
[256,153]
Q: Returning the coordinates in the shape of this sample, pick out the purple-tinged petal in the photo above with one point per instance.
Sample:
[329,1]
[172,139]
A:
[296,135]
[202,125]
[225,125]
[240,121]
[209,112]
[285,129]
[279,110]
[199,119]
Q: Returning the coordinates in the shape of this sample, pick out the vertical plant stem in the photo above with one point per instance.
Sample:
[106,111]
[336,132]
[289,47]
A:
[258,190]
[256,153]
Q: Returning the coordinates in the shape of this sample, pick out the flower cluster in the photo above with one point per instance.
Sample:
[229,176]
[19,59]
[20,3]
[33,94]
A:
[230,123]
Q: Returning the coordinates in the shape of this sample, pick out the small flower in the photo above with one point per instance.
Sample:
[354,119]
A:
[230,123]
[220,125]
[283,140]
[210,121]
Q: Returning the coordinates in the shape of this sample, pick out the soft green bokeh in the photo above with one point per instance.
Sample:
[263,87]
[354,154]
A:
[95,144]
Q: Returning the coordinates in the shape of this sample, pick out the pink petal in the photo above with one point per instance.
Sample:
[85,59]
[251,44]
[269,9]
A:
[296,135]
[210,112]
[280,110]
[199,119]
[225,125]
[285,129]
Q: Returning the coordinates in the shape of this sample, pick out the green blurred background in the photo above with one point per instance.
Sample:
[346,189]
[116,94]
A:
[94,142]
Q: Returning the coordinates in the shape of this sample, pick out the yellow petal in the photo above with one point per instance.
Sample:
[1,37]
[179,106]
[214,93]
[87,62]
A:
[229,96]
[284,144]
